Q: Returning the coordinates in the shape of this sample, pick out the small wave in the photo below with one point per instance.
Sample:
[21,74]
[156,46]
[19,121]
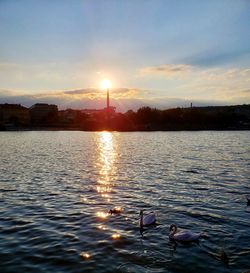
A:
[7,190]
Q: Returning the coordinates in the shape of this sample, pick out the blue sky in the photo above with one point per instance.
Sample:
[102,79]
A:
[156,52]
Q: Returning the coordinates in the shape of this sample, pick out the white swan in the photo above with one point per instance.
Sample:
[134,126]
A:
[184,235]
[147,220]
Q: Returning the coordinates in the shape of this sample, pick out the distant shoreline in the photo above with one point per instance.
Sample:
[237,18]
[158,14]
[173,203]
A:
[121,131]
[44,117]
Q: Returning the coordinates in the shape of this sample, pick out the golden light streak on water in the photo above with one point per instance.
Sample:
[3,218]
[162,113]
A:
[105,164]
[116,236]
[172,173]
[118,209]
[85,255]
[104,189]
[83,199]
[104,195]
[102,214]
[101,227]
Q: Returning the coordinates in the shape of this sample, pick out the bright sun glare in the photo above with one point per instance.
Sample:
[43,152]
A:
[105,84]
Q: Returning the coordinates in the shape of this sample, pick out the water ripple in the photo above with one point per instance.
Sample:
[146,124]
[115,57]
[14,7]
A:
[58,187]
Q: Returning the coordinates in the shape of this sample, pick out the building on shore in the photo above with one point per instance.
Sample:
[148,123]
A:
[111,109]
[43,113]
[91,111]
[14,114]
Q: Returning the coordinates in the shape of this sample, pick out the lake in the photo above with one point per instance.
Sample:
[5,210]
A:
[56,188]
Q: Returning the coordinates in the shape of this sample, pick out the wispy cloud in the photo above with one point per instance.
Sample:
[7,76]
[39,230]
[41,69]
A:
[166,70]
[79,98]
[171,70]
[179,85]
[80,92]
[213,58]
[196,82]
[69,99]
[38,76]
[247,91]
[124,92]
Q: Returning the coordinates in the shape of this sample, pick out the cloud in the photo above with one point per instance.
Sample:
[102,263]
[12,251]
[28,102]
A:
[166,70]
[38,76]
[218,74]
[7,93]
[247,91]
[202,83]
[179,84]
[91,91]
[217,57]
[122,103]
[79,98]
[172,70]
[81,91]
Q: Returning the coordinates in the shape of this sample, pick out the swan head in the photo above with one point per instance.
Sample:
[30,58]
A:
[173,229]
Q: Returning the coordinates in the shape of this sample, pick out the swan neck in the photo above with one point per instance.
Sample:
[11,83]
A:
[173,231]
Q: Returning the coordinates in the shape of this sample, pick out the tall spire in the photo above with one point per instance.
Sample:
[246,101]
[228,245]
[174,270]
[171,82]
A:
[107,99]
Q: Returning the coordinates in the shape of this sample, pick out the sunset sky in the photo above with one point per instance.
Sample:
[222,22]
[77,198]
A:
[156,53]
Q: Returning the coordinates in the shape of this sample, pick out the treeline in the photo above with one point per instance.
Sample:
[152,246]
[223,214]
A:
[151,119]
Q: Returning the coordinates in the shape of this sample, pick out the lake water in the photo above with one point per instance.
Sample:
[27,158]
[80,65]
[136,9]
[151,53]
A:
[57,187]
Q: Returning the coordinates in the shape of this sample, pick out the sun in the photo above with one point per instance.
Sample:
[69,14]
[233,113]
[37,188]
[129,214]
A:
[105,84]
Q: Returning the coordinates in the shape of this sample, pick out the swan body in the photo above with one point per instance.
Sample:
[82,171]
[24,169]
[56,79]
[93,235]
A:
[184,235]
[147,220]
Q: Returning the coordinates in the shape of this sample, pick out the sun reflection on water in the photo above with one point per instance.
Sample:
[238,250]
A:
[102,215]
[85,255]
[116,236]
[103,189]
[101,227]
[105,164]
